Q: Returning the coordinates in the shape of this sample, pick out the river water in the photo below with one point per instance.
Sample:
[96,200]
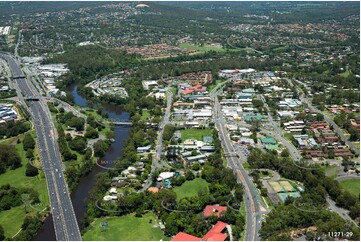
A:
[80,193]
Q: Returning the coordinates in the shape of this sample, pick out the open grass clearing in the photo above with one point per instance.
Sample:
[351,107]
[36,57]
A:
[145,115]
[195,133]
[125,228]
[12,219]
[190,188]
[352,185]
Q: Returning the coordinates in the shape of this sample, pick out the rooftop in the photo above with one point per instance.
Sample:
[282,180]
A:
[214,210]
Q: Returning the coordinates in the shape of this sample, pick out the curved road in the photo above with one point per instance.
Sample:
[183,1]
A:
[254,204]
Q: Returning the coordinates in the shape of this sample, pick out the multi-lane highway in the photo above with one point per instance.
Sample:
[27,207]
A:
[253,202]
[65,223]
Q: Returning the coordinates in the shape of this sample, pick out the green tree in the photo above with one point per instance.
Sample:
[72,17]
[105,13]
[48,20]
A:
[28,142]
[285,153]
[30,153]
[78,143]
[100,147]
[31,170]
[91,133]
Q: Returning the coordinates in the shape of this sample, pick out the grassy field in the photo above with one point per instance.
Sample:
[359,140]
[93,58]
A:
[18,179]
[195,133]
[190,188]
[352,185]
[125,228]
[327,168]
[145,115]
[11,220]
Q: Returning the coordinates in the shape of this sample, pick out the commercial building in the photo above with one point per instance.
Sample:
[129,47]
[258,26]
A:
[143,149]
[214,234]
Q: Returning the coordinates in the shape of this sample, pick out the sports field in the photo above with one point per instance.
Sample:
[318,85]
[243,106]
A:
[195,133]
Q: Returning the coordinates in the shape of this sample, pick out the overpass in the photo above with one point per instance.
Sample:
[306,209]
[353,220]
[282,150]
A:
[32,98]
[64,219]
[230,154]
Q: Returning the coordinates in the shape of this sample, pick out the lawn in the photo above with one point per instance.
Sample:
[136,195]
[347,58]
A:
[145,115]
[11,220]
[125,228]
[190,188]
[327,168]
[174,90]
[352,185]
[18,179]
[195,133]
[246,166]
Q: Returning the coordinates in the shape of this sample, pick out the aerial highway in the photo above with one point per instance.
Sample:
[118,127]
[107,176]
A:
[65,223]
[254,205]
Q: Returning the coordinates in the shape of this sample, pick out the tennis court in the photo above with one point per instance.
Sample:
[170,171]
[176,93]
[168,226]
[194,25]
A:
[287,186]
[283,196]
[276,187]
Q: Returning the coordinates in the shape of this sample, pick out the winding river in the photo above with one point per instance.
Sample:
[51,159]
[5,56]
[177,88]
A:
[80,193]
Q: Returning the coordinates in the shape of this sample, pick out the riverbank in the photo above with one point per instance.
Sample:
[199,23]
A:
[81,192]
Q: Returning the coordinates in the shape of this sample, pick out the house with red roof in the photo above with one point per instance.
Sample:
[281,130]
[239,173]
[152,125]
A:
[185,237]
[214,234]
[197,89]
[214,210]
